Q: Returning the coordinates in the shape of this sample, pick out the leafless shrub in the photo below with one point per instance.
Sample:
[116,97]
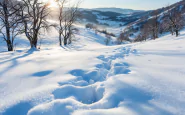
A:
[108,39]
[124,36]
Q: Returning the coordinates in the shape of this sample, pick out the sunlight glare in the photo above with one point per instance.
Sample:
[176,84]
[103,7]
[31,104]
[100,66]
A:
[51,2]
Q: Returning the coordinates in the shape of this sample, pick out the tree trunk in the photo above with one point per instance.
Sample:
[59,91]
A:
[9,45]
[172,32]
[65,41]
[35,40]
[8,41]
[60,39]
[8,37]
[177,33]
[70,38]
[156,35]
[33,43]
[153,35]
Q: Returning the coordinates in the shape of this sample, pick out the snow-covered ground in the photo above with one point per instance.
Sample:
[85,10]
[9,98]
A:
[89,78]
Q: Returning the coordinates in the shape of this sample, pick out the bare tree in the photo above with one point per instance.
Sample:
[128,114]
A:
[34,15]
[108,39]
[153,25]
[124,36]
[67,17]
[144,34]
[60,28]
[10,23]
[150,29]
[174,20]
[138,38]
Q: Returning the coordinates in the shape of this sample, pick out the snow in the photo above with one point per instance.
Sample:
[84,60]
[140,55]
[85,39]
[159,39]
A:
[99,16]
[89,78]
[110,22]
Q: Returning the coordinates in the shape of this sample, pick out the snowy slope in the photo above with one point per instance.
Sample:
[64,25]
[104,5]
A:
[89,78]
[113,17]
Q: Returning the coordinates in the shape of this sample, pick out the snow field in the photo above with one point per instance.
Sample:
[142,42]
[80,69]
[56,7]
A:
[89,78]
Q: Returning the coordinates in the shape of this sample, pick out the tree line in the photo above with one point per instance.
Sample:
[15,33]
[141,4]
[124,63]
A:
[30,17]
[169,19]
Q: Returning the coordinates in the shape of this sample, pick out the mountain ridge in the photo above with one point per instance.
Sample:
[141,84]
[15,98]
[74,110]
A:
[116,10]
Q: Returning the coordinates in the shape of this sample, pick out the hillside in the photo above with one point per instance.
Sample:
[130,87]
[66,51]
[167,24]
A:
[132,20]
[134,79]
[110,17]
[118,10]
[136,26]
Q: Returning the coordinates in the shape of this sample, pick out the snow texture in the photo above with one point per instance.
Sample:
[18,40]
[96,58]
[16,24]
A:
[89,78]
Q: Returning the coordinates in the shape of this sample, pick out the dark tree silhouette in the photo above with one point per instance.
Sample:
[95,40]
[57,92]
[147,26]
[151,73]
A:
[10,25]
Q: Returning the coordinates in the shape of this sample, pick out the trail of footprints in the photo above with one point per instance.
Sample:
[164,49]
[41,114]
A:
[85,85]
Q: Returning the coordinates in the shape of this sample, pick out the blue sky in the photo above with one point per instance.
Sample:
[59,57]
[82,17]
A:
[131,4]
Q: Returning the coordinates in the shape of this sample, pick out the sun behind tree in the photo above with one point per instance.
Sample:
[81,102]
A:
[52,3]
